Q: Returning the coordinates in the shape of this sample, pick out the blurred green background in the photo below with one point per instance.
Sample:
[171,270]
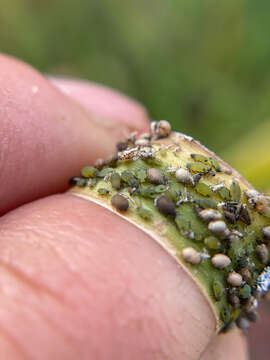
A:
[203,65]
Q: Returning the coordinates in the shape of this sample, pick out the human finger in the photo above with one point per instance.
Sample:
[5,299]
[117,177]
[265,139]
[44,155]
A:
[88,284]
[46,136]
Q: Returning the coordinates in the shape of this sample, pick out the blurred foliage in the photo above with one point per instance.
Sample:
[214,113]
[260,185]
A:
[203,65]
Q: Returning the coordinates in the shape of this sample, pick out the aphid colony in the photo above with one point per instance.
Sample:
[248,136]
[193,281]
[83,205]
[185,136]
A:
[219,227]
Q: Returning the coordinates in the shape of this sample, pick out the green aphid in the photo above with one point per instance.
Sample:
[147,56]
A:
[144,213]
[154,161]
[235,191]
[141,175]
[198,167]
[225,314]
[215,164]
[224,193]
[200,158]
[245,292]
[203,189]
[89,172]
[92,183]
[115,180]
[206,203]
[104,172]
[162,152]
[187,221]
[148,191]
[212,243]
[235,314]
[160,188]
[182,223]
[128,177]
[218,290]
[103,191]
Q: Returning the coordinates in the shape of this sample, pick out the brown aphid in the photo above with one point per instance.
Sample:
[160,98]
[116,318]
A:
[99,163]
[246,274]
[262,253]
[191,255]
[183,176]
[266,232]
[242,323]
[155,176]
[252,316]
[233,299]
[220,261]
[122,145]
[219,228]
[234,279]
[165,205]
[208,215]
[120,202]
[161,129]
[111,160]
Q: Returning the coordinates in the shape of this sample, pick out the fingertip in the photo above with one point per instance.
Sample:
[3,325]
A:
[104,101]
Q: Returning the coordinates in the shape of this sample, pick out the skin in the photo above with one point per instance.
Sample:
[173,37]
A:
[77,281]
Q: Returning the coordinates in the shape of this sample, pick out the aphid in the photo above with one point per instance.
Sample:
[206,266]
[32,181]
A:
[132,137]
[252,316]
[102,173]
[245,292]
[263,281]
[160,129]
[262,253]
[144,213]
[234,279]
[266,232]
[111,160]
[235,191]
[155,176]
[198,167]
[207,215]
[233,298]
[200,158]
[251,304]
[220,261]
[115,180]
[122,145]
[242,323]
[165,205]
[224,193]
[225,314]
[246,274]
[120,202]
[203,189]
[206,203]
[215,164]
[218,289]
[89,172]
[99,163]
[182,175]
[212,243]
[191,255]
[128,177]
[103,191]
[141,174]
[219,228]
